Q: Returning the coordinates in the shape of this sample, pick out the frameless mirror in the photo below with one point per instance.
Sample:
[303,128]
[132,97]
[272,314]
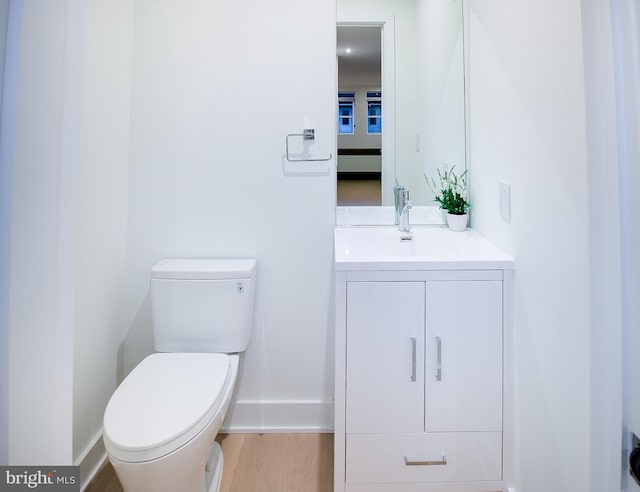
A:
[400,99]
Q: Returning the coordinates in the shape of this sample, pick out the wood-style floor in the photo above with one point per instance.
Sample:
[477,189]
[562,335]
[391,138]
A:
[261,463]
[359,192]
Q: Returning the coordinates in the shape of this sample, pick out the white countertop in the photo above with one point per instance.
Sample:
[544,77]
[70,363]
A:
[430,248]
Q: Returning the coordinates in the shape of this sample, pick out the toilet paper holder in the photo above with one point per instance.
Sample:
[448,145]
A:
[308,134]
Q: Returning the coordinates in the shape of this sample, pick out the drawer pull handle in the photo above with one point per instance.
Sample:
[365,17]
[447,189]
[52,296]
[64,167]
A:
[408,462]
[439,359]
[413,360]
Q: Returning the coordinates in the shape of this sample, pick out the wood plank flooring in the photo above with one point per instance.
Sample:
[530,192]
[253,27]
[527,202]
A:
[261,463]
[358,192]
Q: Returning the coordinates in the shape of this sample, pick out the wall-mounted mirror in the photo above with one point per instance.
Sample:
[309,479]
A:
[400,103]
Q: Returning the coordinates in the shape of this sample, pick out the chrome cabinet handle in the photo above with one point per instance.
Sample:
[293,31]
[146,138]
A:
[438,359]
[409,462]
[413,359]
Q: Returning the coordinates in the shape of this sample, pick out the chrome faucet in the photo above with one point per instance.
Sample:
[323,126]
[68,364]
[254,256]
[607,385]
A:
[404,205]
[399,193]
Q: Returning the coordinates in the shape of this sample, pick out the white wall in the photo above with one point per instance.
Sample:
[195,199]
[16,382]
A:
[627,38]
[527,127]
[604,247]
[101,221]
[41,294]
[216,87]
[68,226]
[207,178]
[4,20]
[7,127]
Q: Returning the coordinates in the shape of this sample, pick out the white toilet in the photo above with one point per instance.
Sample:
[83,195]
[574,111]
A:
[160,424]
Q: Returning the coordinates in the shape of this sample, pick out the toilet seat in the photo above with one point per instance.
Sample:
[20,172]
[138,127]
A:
[164,403]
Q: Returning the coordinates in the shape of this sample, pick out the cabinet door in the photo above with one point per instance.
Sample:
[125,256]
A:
[385,357]
[464,356]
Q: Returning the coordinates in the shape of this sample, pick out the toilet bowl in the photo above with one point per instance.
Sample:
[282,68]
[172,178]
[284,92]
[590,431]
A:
[161,422]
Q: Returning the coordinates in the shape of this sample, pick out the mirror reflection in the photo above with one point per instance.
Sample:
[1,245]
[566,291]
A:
[359,114]
[400,98]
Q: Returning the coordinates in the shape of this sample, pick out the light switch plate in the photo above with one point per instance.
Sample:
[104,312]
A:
[505,201]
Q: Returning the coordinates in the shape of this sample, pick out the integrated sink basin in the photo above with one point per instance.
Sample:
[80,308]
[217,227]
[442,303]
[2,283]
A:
[431,248]
[385,215]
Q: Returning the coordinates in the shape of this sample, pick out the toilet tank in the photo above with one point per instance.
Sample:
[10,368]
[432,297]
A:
[202,305]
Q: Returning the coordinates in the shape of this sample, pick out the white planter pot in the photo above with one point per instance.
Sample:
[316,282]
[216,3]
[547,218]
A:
[457,222]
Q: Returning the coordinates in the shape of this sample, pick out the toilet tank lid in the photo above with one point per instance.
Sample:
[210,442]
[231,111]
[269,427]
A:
[204,269]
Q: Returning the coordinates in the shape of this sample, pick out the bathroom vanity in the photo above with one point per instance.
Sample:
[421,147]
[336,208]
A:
[422,322]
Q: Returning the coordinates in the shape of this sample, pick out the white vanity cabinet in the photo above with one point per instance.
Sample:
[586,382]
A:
[385,348]
[420,377]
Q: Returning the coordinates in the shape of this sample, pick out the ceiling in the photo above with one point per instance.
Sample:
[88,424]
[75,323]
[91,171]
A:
[362,65]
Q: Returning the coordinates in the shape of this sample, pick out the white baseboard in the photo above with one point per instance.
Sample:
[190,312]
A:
[91,459]
[270,416]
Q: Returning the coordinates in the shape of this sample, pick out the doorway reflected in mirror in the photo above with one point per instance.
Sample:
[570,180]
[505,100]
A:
[360,115]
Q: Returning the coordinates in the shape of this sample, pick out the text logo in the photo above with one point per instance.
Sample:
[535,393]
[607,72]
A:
[41,478]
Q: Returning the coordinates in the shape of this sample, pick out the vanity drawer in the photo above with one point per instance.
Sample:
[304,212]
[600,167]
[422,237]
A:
[432,457]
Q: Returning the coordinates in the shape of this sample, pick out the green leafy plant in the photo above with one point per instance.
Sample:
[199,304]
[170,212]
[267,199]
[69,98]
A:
[451,192]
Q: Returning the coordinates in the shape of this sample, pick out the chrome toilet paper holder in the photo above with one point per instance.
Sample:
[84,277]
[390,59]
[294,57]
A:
[308,134]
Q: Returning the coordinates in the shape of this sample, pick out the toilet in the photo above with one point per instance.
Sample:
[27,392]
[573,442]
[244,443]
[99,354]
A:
[161,422]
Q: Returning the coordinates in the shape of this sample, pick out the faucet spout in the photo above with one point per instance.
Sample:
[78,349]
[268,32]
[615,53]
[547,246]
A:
[404,225]
[402,210]
[399,193]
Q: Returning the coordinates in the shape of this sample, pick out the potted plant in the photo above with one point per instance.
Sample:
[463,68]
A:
[451,194]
